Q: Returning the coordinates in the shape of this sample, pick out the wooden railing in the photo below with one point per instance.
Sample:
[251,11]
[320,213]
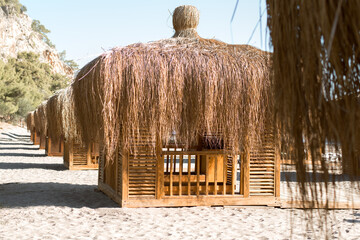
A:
[198,173]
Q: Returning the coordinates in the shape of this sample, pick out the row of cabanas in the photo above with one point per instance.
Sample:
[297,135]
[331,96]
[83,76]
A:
[52,127]
[184,121]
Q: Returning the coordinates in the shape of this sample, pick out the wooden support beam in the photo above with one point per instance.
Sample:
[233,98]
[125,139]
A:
[224,173]
[117,173]
[206,176]
[180,173]
[246,180]
[125,175]
[233,174]
[215,175]
[88,155]
[197,158]
[159,185]
[189,175]
[48,147]
[277,171]
[171,174]
[71,154]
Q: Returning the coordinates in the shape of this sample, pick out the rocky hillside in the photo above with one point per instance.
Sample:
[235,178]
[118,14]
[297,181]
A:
[17,35]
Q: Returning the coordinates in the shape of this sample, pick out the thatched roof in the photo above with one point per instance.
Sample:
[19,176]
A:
[54,116]
[316,65]
[40,119]
[70,129]
[187,84]
[30,124]
[60,116]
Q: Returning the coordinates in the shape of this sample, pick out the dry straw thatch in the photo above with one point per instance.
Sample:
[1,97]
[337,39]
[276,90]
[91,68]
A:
[317,80]
[53,117]
[30,124]
[40,119]
[65,108]
[61,117]
[187,84]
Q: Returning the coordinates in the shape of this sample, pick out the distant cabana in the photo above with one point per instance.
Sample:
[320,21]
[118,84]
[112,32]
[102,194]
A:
[54,136]
[41,124]
[184,121]
[77,155]
[30,124]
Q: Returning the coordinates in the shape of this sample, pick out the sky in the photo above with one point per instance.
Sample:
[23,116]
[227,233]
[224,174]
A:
[87,28]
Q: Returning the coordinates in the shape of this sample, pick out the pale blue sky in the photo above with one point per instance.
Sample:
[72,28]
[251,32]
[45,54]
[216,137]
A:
[85,28]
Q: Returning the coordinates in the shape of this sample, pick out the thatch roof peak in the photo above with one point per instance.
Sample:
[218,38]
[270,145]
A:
[185,21]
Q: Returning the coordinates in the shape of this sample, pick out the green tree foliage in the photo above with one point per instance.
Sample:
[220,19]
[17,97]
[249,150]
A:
[8,87]
[71,63]
[24,83]
[14,5]
[38,27]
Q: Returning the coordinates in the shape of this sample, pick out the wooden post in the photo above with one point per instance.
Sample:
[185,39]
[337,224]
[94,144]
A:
[48,146]
[117,153]
[189,175]
[88,156]
[277,170]
[233,174]
[171,174]
[180,173]
[224,173]
[206,176]
[159,185]
[246,164]
[71,154]
[197,158]
[215,176]
[125,175]
[61,145]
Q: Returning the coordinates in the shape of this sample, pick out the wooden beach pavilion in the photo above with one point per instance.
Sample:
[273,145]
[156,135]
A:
[184,121]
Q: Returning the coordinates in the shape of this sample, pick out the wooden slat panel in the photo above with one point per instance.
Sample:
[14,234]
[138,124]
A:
[262,167]
[101,165]
[142,165]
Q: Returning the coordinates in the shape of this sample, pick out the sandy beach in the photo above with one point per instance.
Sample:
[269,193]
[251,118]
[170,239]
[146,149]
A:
[40,199]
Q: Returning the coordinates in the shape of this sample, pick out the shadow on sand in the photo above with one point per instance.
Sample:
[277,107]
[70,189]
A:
[53,194]
[17,143]
[16,136]
[47,166]
[352,220]
[317,177]
[19,148]
[22,155]
[21,136]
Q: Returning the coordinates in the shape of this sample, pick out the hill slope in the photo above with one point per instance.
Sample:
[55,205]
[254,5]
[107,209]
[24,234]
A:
[17,35]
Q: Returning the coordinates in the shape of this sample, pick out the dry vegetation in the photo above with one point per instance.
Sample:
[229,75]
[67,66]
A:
[316,66]
[40,119]
[188,85]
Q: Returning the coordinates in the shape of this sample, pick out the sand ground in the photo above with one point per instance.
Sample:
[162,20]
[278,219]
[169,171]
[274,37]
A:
[40,199]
